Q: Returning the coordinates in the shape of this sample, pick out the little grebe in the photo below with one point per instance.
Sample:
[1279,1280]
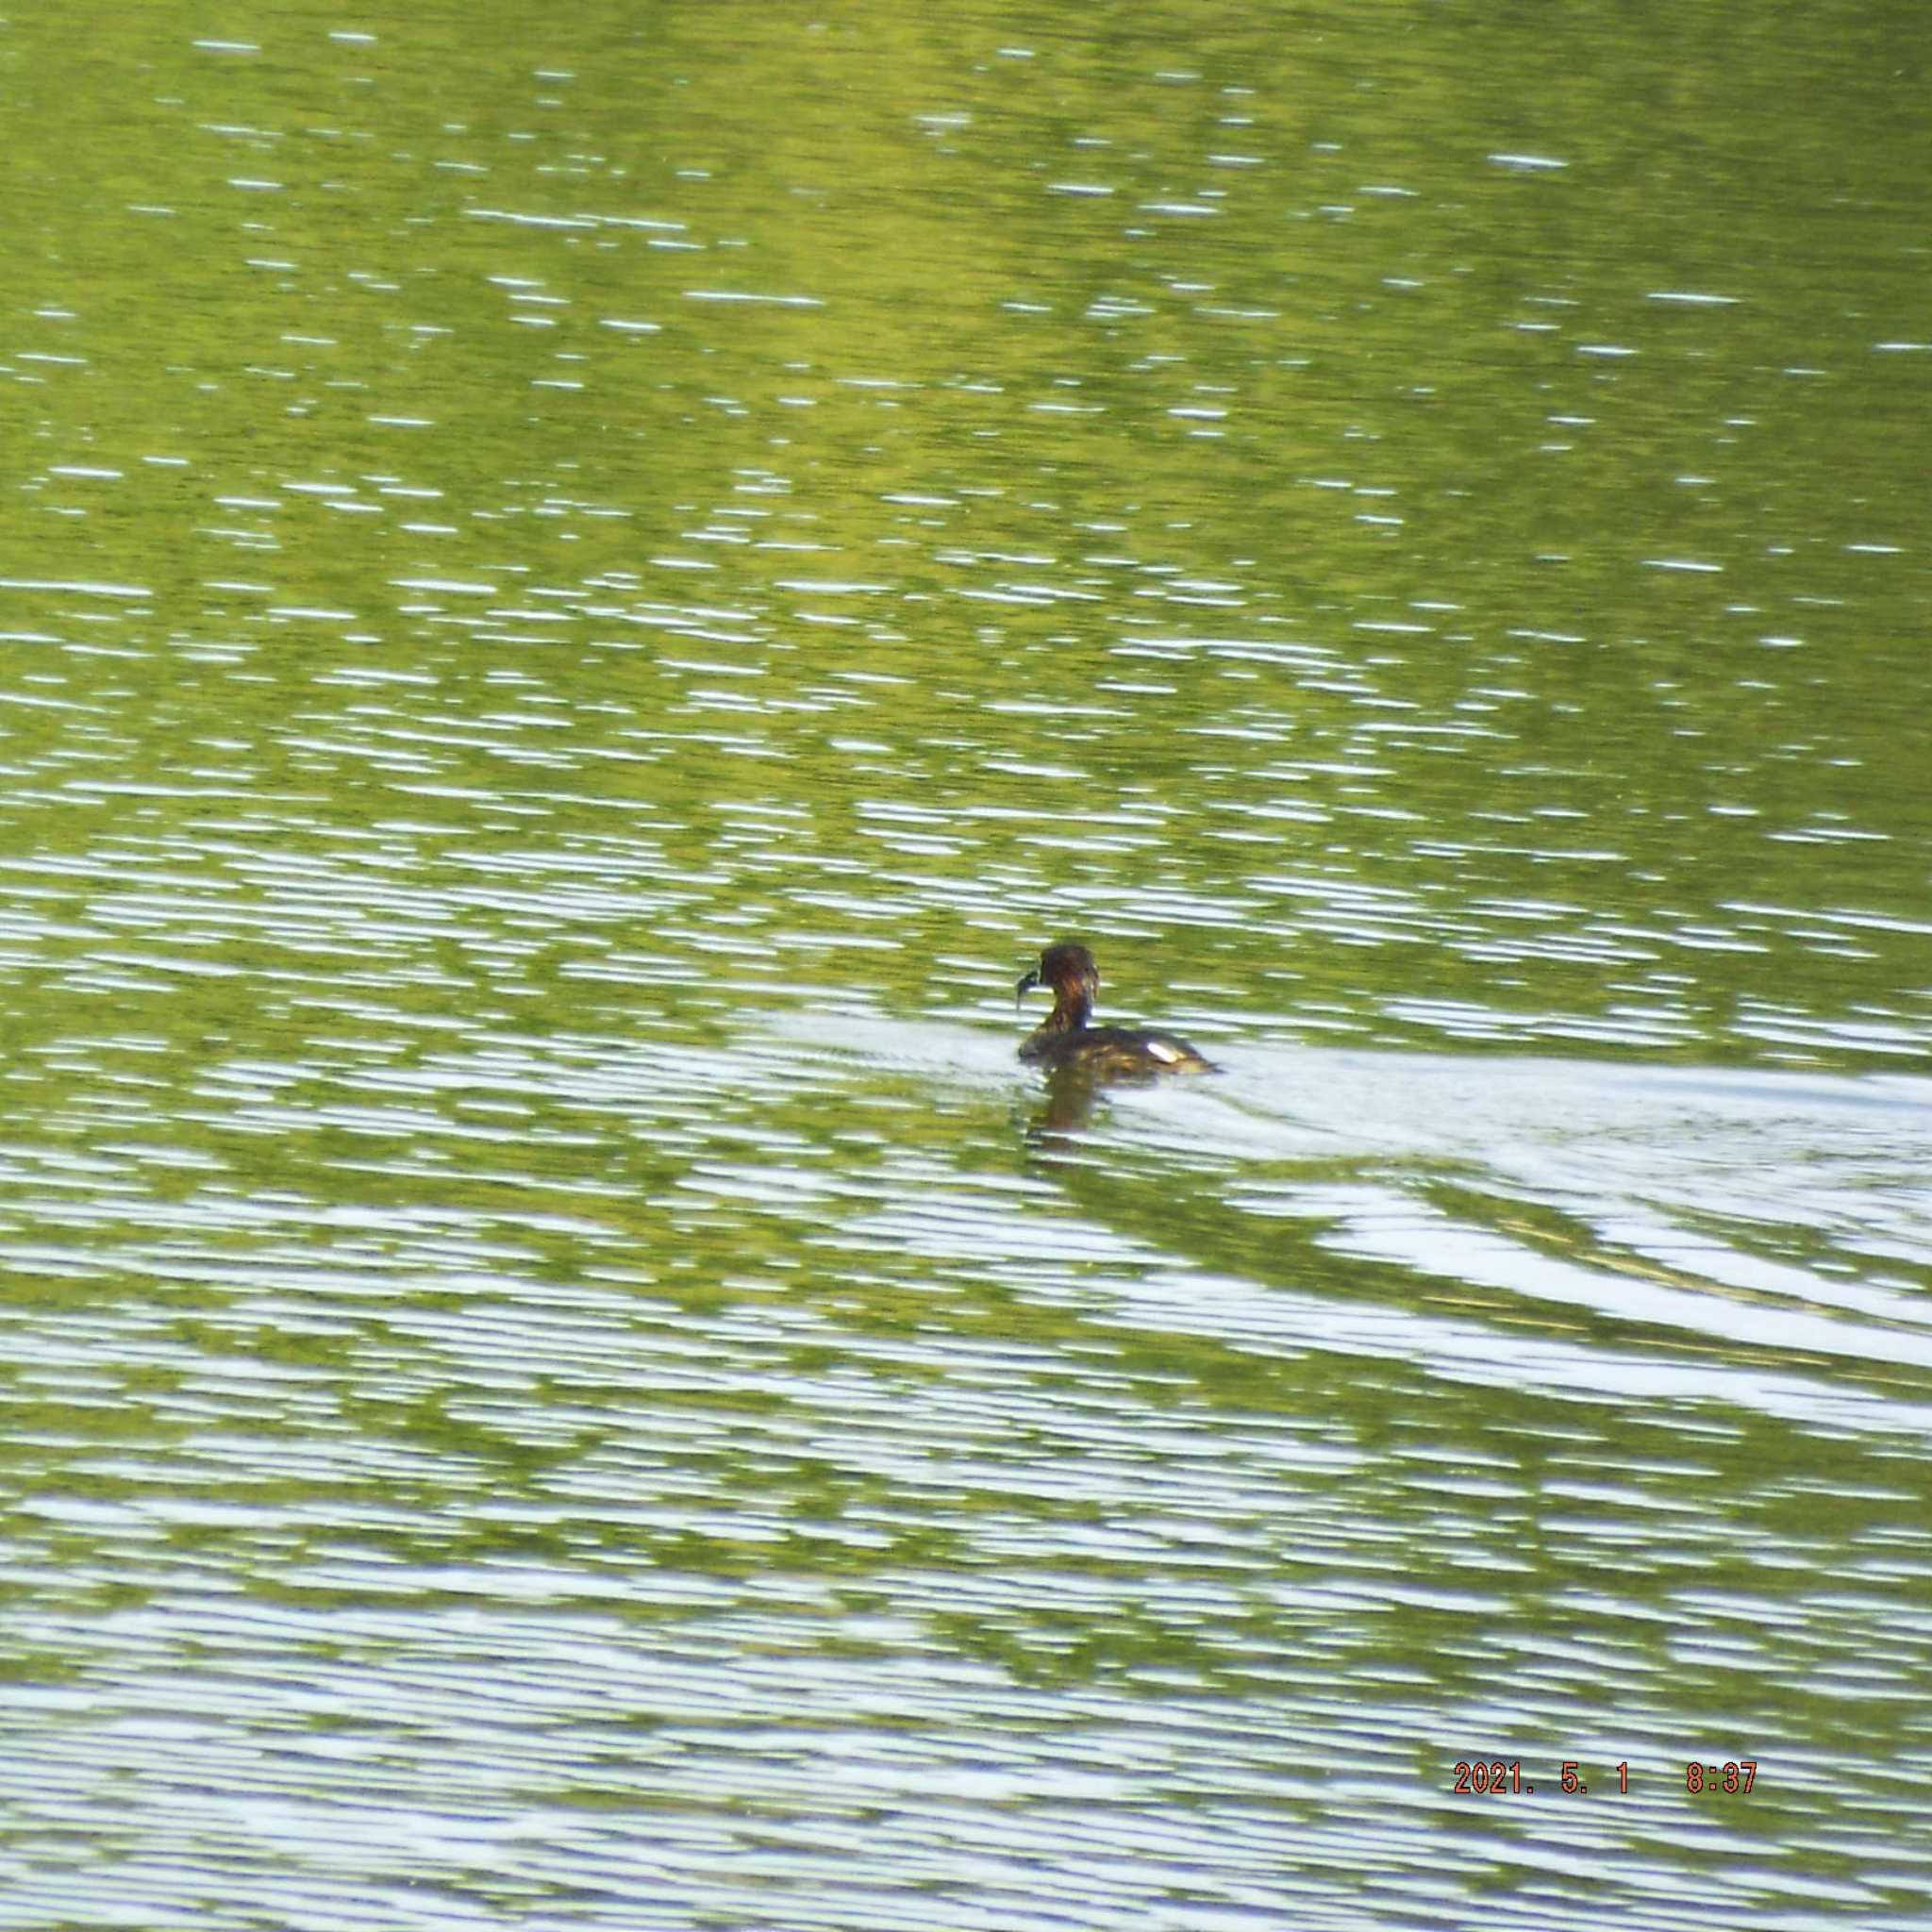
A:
[1065,1038]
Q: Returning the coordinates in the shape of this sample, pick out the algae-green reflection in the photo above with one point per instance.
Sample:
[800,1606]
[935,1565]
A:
[577,596]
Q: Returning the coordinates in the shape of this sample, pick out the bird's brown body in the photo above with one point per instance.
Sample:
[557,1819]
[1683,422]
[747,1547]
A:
[1065,1038]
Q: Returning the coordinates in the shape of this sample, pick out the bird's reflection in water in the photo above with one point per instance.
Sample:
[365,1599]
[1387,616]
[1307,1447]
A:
[1066,1105]
[1068,1097]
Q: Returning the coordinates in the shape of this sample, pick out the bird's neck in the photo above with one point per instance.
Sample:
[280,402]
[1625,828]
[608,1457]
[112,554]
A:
[1072,1009]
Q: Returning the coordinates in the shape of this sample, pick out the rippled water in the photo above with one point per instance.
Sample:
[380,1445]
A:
[577,602]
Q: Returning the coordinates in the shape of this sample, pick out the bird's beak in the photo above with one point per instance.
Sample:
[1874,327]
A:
[1027,986]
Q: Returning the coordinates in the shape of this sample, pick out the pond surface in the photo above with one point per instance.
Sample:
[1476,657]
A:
[579,596]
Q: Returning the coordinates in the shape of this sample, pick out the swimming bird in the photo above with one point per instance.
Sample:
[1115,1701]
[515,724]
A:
[1064,1039]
